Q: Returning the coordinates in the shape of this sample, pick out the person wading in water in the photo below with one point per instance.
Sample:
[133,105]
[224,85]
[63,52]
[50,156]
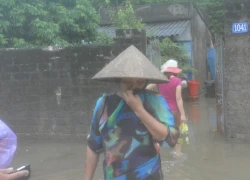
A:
[127,124]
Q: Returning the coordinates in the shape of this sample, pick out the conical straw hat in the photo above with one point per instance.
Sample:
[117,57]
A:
[131,63]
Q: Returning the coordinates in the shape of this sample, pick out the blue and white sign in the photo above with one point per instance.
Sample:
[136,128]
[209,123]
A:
[240,28]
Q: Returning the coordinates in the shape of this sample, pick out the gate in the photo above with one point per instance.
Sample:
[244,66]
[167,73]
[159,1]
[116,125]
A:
[154,53]
[219,86]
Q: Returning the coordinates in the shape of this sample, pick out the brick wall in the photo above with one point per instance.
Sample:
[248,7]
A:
[49,94]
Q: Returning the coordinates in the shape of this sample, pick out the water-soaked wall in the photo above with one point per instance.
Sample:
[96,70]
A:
[49,94]
[237,72]
[151,13]
[201,40]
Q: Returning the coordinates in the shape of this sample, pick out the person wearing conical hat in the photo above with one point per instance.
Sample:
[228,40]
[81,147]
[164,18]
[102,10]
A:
[171,91]
[126,125]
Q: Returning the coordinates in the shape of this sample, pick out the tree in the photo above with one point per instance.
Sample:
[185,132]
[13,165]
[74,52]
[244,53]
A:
[46,22]
[125,18]
[215,11]
[171,50]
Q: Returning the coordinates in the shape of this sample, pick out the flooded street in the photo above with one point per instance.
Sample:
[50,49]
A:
[207,157]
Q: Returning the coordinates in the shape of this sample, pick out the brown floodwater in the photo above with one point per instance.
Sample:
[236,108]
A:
[207,157]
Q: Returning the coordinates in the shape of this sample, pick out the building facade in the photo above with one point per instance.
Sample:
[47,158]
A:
[182,22]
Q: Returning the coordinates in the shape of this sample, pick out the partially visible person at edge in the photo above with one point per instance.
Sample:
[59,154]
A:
[6,174]
[8,144]
[126,125]
[172,93]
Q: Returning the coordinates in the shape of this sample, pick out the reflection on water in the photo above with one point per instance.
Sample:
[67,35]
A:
[193,111]
[207,157]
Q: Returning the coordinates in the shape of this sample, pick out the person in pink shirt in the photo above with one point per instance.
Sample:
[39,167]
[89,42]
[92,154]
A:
[172,93]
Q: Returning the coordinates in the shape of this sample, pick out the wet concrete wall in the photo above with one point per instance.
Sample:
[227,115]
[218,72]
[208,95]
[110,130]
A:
[48,93]
[160,12]
[237,72]
[201,40]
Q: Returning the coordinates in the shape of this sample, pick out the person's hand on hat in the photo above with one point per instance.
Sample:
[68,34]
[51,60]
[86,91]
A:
[6,174]
[133,101]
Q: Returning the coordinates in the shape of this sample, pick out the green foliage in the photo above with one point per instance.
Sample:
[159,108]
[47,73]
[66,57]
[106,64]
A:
[103,39]
[215,11]
[46,22]
[17,43]
[171,50]
[125,17]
